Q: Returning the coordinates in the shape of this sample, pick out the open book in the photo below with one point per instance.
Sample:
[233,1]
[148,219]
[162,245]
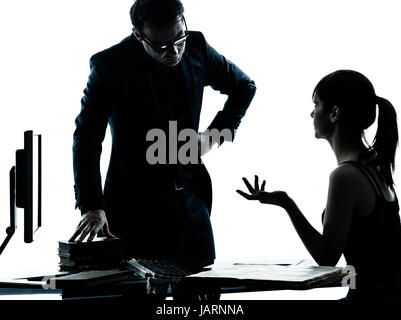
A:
[273,275]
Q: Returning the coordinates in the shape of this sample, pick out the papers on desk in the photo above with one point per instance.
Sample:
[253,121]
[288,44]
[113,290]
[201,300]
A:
[289,276]
[91,277]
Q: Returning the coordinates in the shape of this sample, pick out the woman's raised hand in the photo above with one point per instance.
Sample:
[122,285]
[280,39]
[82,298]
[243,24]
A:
[278,198]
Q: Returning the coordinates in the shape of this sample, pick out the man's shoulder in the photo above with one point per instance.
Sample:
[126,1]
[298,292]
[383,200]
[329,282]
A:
[196,45]
[196,35]
[196,38]
[118,54]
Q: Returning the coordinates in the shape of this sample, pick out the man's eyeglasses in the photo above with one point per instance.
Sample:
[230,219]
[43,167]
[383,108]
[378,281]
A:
[173,43]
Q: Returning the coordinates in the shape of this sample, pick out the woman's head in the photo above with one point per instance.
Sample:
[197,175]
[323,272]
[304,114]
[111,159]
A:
[353,97]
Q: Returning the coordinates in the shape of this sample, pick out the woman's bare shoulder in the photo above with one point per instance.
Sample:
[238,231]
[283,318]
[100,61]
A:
[345,173]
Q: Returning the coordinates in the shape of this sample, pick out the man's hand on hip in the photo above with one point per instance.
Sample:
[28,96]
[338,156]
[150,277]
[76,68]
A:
[205,143]
[91,223]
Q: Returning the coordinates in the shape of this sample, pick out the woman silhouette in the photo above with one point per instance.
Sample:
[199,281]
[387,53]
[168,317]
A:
[361,219]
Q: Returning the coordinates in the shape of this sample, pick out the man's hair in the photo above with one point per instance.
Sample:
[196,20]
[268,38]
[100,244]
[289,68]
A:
[158,13]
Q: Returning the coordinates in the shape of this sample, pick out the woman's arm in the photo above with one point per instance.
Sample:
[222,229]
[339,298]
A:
[316,243]
[326,248]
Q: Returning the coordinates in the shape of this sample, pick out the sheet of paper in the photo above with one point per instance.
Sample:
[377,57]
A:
[268,272]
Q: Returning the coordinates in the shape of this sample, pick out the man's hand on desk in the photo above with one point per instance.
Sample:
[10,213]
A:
[91,223]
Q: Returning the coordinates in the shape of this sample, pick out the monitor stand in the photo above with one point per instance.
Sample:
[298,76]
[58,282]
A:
[13,225]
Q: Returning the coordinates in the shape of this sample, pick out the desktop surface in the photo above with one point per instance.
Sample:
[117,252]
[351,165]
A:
[31,276]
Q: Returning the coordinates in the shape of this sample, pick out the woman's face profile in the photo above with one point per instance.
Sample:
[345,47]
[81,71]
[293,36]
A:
[321,118]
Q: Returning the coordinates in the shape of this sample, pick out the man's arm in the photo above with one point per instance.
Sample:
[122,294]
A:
[226,77]
[91,124]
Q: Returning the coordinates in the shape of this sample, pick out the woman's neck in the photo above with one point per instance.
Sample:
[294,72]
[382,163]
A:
[346,146]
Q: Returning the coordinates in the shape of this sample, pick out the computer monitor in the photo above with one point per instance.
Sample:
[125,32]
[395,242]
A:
[29,183]
[26,188]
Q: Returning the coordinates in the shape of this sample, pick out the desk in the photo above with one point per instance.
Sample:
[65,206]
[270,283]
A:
[129,285]
[27,290]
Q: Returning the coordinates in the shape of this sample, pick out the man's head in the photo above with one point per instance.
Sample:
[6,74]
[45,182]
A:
[160,26]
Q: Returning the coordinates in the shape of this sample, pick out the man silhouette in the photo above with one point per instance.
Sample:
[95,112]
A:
[150,79]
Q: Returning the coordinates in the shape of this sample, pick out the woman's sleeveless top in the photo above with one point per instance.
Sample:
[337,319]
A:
[374,245]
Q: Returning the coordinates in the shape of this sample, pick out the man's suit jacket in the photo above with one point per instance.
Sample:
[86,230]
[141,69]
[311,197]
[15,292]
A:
[120,93]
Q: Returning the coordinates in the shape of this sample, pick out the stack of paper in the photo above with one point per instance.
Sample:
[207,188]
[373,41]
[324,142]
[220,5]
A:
[100,253]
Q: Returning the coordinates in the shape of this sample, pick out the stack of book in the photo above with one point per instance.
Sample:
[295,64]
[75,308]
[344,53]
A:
[101,253]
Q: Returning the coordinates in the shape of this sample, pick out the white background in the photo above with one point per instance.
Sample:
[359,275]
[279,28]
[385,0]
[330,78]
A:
[285,46]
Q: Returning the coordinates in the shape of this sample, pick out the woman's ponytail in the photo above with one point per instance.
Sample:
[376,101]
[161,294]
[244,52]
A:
[386,139]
